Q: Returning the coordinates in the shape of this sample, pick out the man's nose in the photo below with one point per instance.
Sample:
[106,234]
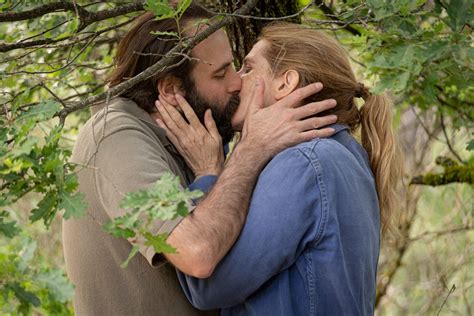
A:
[236,83]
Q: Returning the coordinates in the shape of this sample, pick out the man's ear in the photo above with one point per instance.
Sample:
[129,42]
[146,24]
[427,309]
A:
[286,83]
[168,87]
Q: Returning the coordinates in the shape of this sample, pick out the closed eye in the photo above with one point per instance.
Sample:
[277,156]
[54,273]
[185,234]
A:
[219,75]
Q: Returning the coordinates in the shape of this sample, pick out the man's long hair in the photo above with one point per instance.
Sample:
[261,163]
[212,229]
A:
[140,49]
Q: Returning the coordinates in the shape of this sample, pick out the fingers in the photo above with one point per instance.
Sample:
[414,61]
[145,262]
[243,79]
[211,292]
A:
[172,137]
[188,111]
[211,124]
[314,108]
[315,133]
[295,98]
[171,117]
[316,122]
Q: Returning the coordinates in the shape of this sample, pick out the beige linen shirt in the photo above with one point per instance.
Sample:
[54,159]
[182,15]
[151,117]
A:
[121,149]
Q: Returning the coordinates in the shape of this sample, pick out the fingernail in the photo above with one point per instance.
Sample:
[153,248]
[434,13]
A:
[318,85]
[333,117]
[157,103]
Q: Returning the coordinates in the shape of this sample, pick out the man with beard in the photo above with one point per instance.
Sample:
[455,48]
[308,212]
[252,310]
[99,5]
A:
[121,149]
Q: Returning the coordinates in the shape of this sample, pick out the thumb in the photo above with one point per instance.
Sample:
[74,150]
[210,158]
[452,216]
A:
[211,124]
[256,100]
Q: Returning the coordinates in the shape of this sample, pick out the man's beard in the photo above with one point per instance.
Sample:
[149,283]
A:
[222,115]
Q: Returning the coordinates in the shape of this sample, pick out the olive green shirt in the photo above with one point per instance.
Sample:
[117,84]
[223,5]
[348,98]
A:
[119,150]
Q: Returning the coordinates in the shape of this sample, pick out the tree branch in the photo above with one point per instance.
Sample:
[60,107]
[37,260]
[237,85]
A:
[36,12]
[31,44]
[86,18]
[448,142]
[453,172]
[442,232]
[263,18]
[330,13]
[163,64]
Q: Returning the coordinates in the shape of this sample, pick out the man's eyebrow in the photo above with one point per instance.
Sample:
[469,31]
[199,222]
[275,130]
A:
[222,67]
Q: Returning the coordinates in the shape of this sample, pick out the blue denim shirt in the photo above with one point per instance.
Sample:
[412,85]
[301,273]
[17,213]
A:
[311,240]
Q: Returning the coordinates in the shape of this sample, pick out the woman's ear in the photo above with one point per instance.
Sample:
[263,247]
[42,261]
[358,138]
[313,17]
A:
[286,83]
[168,87]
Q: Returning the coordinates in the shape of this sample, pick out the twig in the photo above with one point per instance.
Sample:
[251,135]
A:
[53,94]
[329,13]
[57,69]
[87,18]
[453,288]
[442,232]
[422,124]
[243,16]
[451,149]
[45,31]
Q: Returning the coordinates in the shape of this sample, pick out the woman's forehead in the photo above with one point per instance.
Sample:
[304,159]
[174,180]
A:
[256,53]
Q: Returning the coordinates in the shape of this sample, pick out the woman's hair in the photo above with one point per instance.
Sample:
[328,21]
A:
[319,58]
[142,47]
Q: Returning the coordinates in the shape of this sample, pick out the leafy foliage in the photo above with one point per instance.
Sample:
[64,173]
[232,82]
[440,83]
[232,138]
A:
[164,201]
[27,282]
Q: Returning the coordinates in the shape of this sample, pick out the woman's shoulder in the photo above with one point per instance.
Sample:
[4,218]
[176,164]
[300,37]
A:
[339,152]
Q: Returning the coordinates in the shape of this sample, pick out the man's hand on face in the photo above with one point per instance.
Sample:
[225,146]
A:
[284,124]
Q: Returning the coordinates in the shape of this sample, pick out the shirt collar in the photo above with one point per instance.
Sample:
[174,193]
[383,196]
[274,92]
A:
[339,127]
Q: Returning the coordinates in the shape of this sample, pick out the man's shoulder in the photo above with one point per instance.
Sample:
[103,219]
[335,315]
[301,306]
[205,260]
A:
[120,114]
[120,119]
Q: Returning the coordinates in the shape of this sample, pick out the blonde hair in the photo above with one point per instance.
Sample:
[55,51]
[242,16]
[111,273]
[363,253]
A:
[319,58]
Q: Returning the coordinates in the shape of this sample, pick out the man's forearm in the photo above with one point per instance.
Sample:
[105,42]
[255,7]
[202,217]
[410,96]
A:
[207,234]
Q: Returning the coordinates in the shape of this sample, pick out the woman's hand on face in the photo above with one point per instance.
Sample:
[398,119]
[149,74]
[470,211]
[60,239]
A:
[200,146]
[284,124]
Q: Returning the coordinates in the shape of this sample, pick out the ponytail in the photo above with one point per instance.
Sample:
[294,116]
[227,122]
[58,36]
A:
[380,142]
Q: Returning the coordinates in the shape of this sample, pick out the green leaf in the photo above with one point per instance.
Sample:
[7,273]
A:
[158,243]
[164,34]
[132,254]
[9,229]
[24,296]
[160,8]
[57,284]
[470,145]
[182,6]
[25,148]
[74,205]
[40,112]
[115,229]
[460,12]
[45,208]
[182,209]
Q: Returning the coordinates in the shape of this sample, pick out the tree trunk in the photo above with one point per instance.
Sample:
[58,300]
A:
[244,32]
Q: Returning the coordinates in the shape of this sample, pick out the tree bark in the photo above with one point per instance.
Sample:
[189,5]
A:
[244,31]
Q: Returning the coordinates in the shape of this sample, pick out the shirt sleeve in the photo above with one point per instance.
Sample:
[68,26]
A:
[281,222]
[204,183]
[128,160]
